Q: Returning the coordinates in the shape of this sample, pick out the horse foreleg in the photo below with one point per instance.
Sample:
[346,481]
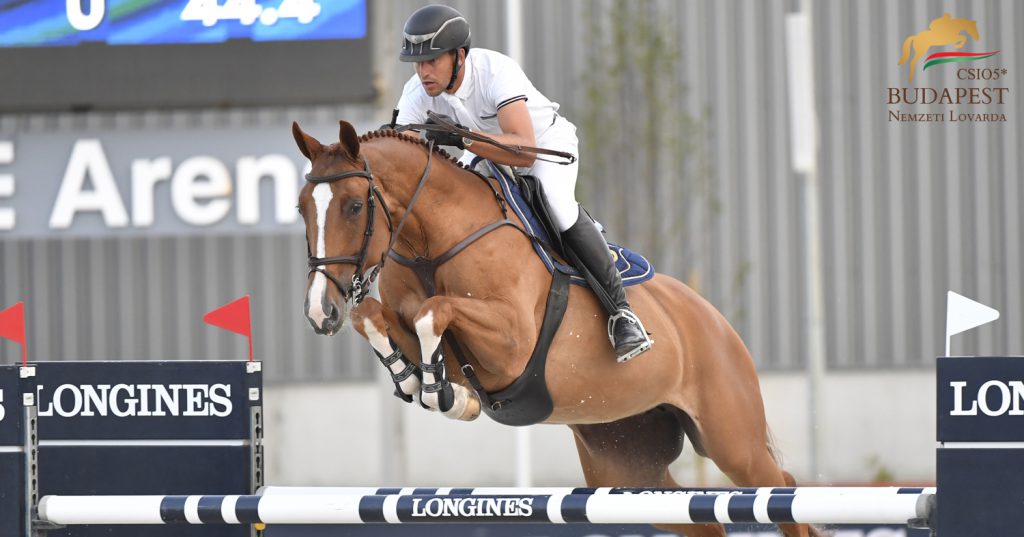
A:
[377,323]
[491,320]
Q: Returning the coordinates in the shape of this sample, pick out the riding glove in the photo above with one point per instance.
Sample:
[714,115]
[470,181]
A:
[443,137]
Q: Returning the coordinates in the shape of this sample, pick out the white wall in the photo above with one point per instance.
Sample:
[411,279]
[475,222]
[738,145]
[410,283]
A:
[335,434]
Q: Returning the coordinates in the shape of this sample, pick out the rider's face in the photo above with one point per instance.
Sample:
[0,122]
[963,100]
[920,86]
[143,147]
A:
[435,74]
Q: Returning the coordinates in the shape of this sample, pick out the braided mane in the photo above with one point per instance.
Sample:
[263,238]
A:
[388,133]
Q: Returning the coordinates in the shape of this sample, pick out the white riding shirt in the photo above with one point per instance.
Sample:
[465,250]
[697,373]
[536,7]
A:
[492,81]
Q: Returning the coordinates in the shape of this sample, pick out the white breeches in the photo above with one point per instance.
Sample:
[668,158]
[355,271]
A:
[559,181]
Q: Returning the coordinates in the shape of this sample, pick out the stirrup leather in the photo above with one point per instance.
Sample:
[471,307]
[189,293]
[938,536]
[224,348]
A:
[629,317]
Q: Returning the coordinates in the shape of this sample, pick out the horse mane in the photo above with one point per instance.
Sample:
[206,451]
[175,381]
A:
[388,133]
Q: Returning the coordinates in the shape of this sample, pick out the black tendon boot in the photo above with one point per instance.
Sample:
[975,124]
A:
[408,380]
[587,247]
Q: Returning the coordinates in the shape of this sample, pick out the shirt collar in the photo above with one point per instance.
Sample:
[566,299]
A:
[466,88]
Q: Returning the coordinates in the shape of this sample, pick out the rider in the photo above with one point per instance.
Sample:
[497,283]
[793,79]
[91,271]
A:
[488,92]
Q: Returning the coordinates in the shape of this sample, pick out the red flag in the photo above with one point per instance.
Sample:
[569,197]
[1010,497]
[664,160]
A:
[234,317]
[12,327]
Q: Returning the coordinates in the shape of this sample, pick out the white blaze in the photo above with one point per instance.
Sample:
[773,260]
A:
[322,196]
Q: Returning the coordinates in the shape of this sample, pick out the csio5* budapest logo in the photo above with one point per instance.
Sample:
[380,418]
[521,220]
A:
[978,87]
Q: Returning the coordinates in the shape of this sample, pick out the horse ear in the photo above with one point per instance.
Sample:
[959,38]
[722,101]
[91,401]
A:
[349,139]
[308,145]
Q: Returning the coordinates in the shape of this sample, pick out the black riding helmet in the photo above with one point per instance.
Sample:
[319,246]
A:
[432,31]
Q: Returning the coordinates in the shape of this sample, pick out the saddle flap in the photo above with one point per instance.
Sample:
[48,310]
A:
[523,193]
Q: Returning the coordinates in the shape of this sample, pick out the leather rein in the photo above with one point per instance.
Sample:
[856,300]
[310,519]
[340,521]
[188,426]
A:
[438,123]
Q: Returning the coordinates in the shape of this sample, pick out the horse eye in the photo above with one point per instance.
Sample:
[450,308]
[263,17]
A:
[353,208]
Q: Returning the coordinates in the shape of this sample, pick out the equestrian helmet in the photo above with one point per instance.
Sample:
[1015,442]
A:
[433,30]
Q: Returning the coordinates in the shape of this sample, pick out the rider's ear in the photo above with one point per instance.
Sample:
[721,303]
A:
[308,145]
[349,139]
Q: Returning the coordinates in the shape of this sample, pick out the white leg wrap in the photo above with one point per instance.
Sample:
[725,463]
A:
[429,341]
[381,344]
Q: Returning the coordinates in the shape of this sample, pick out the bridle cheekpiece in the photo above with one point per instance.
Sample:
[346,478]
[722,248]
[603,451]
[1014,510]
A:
[361,282]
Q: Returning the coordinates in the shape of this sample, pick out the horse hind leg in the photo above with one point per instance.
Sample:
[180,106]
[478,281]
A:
[751,464]
[636,452]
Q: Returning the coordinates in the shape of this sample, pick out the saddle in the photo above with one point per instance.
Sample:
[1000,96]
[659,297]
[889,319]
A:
[525,196]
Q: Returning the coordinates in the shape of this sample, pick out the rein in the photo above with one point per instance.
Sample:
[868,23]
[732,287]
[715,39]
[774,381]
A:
[440,124]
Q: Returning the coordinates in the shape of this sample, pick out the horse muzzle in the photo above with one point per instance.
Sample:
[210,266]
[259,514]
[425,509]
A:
[325,311]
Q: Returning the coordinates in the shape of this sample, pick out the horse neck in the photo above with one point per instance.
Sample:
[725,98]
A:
[451,205]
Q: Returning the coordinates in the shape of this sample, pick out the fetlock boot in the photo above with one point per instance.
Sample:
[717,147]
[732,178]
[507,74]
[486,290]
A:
[587,245]
[437,394]
[407,377]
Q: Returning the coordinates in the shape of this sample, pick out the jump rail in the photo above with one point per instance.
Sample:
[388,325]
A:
[812,507]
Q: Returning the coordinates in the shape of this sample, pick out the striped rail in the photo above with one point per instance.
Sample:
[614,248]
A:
[601,506]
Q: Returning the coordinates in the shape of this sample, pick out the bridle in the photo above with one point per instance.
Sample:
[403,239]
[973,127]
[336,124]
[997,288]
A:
[361,282]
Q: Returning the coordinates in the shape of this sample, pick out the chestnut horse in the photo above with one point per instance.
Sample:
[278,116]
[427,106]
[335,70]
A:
[629,419]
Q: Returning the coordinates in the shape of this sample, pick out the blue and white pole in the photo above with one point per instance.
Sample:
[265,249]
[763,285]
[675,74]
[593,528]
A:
[833,507]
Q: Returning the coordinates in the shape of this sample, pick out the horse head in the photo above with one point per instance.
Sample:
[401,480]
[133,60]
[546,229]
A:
[341,207]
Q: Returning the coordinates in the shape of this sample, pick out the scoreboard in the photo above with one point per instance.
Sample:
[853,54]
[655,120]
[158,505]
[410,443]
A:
[126,54]
[160,22]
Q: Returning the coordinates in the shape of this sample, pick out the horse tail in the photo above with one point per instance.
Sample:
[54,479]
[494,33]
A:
[906,49]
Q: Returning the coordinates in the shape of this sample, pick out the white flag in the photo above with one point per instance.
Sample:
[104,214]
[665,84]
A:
[963,314]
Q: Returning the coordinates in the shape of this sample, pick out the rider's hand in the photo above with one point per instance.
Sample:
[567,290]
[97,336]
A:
[445,138]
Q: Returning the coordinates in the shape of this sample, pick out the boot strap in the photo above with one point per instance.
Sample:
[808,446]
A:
[404,373]
[390,359]
[433,369]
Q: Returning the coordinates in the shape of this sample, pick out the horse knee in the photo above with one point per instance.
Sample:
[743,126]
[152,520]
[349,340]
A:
[433,318]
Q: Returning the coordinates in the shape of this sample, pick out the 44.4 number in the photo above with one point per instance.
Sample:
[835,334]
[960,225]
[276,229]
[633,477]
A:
[247,12]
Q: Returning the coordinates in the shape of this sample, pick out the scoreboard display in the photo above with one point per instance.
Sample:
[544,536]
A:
[125,54]
[162,22]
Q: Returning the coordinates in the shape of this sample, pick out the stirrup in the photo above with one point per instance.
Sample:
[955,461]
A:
[629,317]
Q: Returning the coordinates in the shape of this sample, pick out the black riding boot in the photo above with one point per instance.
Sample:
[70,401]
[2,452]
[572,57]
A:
[586,244]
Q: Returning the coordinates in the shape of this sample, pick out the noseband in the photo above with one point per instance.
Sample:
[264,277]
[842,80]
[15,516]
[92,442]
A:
[360,282]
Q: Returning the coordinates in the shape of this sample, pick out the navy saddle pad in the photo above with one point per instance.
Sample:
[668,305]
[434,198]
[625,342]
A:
[633,267]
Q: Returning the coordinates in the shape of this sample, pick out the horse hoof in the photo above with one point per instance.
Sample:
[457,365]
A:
[466,406]
[472,410]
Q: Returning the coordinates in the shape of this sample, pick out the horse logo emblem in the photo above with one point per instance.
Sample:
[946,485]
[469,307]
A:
[944,30]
